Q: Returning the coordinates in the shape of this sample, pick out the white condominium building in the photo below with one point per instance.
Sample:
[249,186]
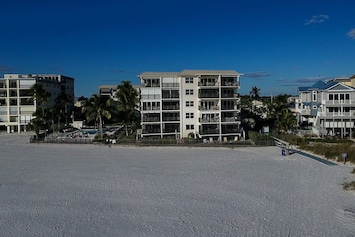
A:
[16,106]
[193,103]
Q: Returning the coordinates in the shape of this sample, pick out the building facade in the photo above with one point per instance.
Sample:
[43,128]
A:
[202,104]
[16,106]
[328,108]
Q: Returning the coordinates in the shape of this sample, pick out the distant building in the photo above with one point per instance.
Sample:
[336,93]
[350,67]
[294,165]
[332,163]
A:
[111,90]
[327,108]
[347,81]
[15,107]
[203,104]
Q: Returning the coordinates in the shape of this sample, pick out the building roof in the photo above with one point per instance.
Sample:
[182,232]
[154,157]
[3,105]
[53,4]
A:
[209,72]
[319,85]
[190,73]
[159,74]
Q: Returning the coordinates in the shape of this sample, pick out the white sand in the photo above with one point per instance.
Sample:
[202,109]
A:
[93,190]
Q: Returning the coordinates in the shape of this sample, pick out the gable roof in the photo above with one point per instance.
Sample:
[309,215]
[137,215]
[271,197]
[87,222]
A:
[322,86]
[319,85]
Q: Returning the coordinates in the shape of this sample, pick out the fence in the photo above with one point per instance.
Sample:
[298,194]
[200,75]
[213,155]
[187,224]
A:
[79,140]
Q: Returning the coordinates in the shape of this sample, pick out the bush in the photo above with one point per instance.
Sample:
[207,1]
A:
[349,186]
[261,139]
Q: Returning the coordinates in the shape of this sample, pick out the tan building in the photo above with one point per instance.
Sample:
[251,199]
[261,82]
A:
[347,81]
[16,108]
[199,103]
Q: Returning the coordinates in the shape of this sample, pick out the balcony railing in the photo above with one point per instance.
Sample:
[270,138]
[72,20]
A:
[171,118]
[344,115]
[230,119]
[230,107]
[230,130]
[208,95]
[171,130]
[338,102]
[149,97]
[208,84]
[151,108]
[170,84]
[150,85]
[208,131]
[215,107]
[151,119]
[171,107]
[230,83]
[209,120]
[171,96]
[149,131]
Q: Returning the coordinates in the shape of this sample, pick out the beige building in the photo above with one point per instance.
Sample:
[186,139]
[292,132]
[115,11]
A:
[347,81]
[16,108]
[199,103]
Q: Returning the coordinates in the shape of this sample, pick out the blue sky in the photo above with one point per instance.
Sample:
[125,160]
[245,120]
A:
[277,45]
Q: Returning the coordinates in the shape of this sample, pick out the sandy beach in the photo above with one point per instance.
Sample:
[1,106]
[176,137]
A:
[97,190]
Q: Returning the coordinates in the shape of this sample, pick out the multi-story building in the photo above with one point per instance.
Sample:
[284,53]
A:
[199,103]
[16,106]
[328,108]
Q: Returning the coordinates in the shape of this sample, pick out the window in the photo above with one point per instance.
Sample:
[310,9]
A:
[341,96]
[189,80]
[189,92]
[330,96]
[190,127]
[189,115]
[189,103]
[347,96]
[314,106]
[314,95]
[336,97]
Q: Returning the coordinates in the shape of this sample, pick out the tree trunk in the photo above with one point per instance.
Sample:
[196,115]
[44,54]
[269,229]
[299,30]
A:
[100,125]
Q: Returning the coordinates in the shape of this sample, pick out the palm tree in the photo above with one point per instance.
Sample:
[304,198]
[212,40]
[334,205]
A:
[61,106]
[97,108]
[255,92]
[40,95]
[287,120]
[127,98]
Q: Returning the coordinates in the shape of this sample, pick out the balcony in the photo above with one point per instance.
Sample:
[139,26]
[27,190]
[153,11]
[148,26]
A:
[171,107]
[208,95]
[207,108]
[171,118]
[231,119]
[336,115]
[208,131]
[338,102]
[151,97]
[231,84]
[231,130]
[230,107]
[208,84]
[149,108]
[173,85]
[171,130]
[171,96]
[209,120]
[150,130]
[147,118]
